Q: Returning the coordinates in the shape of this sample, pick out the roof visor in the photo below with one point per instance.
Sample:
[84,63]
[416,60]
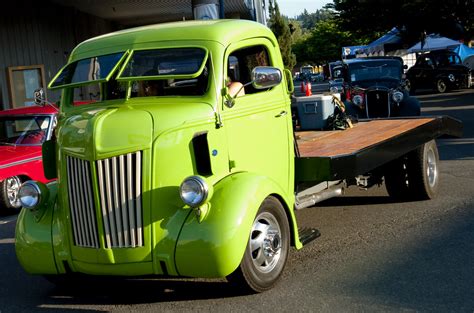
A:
[87,71]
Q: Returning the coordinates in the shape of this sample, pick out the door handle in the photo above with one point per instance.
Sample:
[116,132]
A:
[282,113]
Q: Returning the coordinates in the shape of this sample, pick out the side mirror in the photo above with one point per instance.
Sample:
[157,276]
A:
[40,97]
[265,77]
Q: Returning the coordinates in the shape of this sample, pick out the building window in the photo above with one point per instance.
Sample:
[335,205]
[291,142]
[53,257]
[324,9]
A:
[22,82]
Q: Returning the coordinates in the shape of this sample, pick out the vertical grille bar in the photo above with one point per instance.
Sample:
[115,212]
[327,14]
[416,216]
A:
[131,206]
[138,197]
[110,213]
[103,205]
[116,206]
[72,201]
[123,201]
[90,213]
[81,203]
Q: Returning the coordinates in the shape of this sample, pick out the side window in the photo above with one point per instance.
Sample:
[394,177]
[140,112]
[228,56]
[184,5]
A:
[429,62]
[240,65]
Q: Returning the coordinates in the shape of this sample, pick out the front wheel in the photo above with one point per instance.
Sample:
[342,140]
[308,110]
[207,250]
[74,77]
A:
[267,249]
[410,87]
[9,201]
[414,176]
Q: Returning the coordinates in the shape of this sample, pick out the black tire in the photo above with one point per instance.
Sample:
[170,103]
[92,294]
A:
[9,202]
[267,249]
[414,176]
[441,86]
[410,87]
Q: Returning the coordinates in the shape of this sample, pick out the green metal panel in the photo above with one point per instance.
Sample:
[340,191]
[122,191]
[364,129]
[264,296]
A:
[214,247]
[253,139]
[33,244]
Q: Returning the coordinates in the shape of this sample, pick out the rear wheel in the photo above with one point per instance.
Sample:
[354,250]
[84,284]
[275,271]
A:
[414,176]
[267,249]
[441,86]
[9,201]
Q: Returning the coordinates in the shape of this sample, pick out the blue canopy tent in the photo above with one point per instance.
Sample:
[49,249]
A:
[392,38]
[464,51]
[434,42]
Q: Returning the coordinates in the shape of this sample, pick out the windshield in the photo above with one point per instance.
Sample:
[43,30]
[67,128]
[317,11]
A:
[375,71]
[89,70]
[174,62]
[24,130]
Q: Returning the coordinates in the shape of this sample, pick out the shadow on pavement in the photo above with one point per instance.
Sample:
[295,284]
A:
[437,276]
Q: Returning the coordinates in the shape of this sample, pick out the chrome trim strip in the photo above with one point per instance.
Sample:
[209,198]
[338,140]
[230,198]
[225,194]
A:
[21,162]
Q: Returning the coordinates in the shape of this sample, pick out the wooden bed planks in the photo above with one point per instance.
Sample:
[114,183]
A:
[362,135]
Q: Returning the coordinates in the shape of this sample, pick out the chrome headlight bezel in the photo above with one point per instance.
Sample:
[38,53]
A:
[358,100]
[32,194]
[194,191]
[397,96]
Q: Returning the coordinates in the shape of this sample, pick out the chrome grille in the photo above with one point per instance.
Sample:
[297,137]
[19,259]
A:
[377,103]
[120,194]
[81,204]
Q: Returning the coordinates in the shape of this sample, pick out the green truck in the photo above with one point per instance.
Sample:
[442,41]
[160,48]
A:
[162,170]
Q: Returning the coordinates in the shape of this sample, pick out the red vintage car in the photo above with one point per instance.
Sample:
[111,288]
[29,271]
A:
[22,132]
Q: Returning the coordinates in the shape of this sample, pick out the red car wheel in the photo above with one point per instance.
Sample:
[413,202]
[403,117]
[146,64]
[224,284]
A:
[9,194]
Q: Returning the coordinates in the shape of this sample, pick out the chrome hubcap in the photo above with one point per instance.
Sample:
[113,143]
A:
[265,242]
[431,168]
[13,186]
[441,86]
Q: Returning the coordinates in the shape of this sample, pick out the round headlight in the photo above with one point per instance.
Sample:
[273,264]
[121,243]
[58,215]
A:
[194,191]
[358,100]
[333,89]
[451,78]
[29,194]
[397,96]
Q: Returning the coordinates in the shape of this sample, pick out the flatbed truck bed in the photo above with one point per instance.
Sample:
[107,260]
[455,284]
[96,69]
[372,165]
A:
[340,154]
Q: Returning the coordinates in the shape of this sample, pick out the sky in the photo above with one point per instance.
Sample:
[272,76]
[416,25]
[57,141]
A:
[292,8]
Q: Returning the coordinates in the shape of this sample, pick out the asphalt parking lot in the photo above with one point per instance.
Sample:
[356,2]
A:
[373,255]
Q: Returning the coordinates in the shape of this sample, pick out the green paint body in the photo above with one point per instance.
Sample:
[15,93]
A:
[251,158]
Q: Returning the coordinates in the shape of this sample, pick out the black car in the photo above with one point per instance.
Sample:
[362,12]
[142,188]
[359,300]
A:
[439,70]
[373,88]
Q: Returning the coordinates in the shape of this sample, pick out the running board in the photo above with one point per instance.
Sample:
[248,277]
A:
[308,234]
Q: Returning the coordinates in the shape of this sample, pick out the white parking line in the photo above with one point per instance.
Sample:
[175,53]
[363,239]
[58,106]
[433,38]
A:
[7,219]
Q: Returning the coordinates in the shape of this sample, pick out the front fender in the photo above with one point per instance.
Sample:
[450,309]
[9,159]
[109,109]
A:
[33,241]
[215,247]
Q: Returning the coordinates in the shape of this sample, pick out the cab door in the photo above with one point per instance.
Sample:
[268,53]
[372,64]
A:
[258,124]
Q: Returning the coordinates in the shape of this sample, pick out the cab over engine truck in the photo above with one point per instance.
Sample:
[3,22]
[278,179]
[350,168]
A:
[164,172]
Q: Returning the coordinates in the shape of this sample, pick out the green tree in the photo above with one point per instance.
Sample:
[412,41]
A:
[324,44]
[367,19]
[280,28]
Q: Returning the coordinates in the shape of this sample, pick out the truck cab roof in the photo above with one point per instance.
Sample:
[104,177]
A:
[224,32]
